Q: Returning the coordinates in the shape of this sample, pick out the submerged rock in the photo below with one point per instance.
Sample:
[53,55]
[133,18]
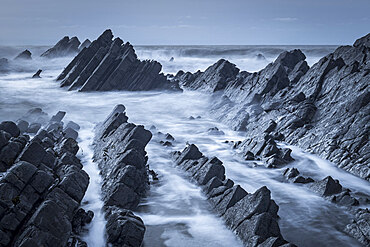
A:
[107,65]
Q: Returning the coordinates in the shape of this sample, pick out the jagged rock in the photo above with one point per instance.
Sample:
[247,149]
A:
[64,47]
[303,102]
[215,78]
[80,219]
[108,64]
[37,199]
[26,54]
[121,157]
[359,228]
[327,187]
[253,217]
[37,74]
[84,44]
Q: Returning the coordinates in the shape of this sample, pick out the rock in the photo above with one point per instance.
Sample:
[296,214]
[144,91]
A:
[10,127]
[4,65]
[22,125]
[37,74]
[70,133]
[249,156]
[172,59]
[215,131]
[84,44]
[58,117]
[121,156]
[359,228]
[26,55]
[37,198]
[64,47]
[73,126]
[33,128]
[253,217]
[327,187]
[169,137]
[215,78]
[291,172]
[80,219]
[107,65]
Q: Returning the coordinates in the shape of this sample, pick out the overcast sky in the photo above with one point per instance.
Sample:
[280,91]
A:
[173,22]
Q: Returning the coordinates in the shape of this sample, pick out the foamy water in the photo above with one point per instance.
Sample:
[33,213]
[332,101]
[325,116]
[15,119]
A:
[176,212]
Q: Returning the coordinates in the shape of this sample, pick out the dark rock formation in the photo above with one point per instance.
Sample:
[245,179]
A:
[26,54]
[112,65]
[65,47]
[323,109]
[360,226]
[37,74]
[253,217]
[42,189]
[215,78]
[121,157]
[84,44]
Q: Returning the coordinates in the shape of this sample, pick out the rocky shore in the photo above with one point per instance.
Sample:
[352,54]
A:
[42,184]
[323,109]
[119,150]
[253,217]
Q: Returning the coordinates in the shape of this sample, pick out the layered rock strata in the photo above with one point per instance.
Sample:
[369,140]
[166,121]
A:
[41,188]
[253,217]
[107,65]
[121,156]
[324,109]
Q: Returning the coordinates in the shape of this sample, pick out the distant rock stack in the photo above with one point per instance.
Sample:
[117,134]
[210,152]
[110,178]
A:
[84,44]
[112,65]
[64,47]
[4,65]
[26,54]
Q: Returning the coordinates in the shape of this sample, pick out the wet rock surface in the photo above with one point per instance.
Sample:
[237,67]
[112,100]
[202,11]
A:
[64,47]
[324,109]
[120,153]
[253,217]
[107,65]
[41,189]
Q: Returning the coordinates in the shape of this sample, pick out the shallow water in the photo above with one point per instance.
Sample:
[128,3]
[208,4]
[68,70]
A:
[175,211]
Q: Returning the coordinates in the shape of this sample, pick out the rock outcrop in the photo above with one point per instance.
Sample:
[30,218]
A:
[253,217]
[42,189]
[121,157]
[26,54]
[4,65]
[65,47]
[108,65]
[323,109]
[84,44]
[359,228]
[37,74]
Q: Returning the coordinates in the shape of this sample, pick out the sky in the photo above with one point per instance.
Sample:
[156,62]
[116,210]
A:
[188,22]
